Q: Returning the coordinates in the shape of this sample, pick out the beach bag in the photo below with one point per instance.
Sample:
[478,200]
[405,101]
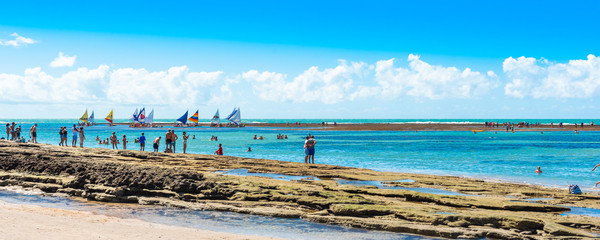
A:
[574,189]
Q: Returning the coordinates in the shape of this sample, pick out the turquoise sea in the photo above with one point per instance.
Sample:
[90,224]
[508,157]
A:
[565,158]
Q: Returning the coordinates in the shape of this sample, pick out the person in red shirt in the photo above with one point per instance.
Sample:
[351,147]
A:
[219,151]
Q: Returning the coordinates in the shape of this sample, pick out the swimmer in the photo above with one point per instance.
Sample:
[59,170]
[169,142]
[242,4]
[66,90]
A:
[249,149]
[538,170]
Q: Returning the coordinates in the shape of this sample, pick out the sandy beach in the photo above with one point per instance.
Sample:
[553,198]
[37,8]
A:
[34,222]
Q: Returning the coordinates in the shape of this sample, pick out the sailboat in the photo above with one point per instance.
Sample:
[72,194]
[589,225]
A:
[84,117]
[215,121]
[194,118]
[150,118]
[183,119]
[109,118]
[91,119]
[134,117]
[235,117]
[142,116]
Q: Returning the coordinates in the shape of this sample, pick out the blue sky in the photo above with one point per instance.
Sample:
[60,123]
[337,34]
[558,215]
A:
[305,59]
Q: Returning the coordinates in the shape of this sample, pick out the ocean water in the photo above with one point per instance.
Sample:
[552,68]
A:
[565,158]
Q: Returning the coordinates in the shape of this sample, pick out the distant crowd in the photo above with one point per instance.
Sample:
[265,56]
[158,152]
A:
[78,136]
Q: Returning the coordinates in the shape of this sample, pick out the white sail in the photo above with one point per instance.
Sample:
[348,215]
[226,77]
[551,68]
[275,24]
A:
[134,117]
[91,118]
[235,117]
[216,119]
[142,116]
[150,117]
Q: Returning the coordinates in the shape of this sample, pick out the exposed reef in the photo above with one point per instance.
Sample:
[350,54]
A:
[486,209]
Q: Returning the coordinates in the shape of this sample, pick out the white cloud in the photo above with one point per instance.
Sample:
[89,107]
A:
[175,86]
[63,61]
[338,84]
[37,86]
[543,79]
[126,85]
[421,79]
[330,85]
[17,42]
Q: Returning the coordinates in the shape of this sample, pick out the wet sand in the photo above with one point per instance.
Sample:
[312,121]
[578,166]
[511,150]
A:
[34,222]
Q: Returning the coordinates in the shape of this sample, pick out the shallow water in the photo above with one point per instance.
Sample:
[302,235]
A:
[209,220]
[380,185]
[244,172]
[566,158]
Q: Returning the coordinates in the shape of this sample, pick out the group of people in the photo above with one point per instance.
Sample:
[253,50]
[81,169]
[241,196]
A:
[13,132]
[281,136]
[77,134]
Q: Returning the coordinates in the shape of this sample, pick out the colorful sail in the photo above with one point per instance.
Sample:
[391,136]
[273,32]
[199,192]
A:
[216,119]
[194,118]
[109,118]
[183,119]
[134,117]
[150,117]
[142,116]
[84,117]
[91,118]
[235,116]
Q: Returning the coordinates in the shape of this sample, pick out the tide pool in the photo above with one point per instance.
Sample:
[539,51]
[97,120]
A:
[565,158]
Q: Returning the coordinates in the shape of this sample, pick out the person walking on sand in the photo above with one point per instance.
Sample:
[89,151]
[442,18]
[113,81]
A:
[33,133]
[220,150]
[142,142]
[75,133]
[185,138]
[81,137]
[156,143]
[113,141]
[124,142]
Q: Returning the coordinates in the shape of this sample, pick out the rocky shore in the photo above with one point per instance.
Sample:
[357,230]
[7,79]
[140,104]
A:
[483,209]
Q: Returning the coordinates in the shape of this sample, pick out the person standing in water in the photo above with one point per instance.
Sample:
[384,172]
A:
[33,133]
[81,137]
[75,133]
[113,141]
[539,170]
[185,138]
[124,142]
[173,139]
[220,150]
[156,143]
[595,186]
[142,142]
[310,149]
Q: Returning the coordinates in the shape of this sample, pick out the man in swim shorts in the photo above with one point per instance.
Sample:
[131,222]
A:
[310,149]
[168,140]
[33,133]
[156,143]
[142,142]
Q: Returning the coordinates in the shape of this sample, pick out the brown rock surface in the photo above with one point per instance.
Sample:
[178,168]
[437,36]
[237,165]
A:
[494,210]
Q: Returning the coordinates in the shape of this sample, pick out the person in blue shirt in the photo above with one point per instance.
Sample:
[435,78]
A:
[142,142]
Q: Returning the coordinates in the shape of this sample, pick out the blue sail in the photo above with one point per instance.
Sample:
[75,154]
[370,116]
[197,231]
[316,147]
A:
[183,119]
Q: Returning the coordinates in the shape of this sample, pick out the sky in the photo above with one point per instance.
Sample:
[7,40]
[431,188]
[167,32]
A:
[301,59]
